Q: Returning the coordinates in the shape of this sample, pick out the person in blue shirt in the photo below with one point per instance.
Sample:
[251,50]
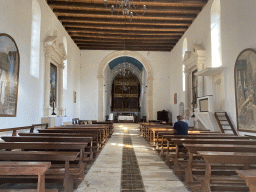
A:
[180,126]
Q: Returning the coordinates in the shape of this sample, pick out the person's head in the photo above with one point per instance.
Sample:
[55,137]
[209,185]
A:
[179,118]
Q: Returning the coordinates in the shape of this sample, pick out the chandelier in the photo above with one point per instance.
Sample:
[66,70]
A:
[128,8]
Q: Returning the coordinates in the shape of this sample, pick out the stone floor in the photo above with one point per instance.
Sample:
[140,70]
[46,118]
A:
[106,173]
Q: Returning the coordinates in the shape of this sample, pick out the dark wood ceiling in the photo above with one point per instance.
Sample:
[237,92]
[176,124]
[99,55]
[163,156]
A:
[93,27]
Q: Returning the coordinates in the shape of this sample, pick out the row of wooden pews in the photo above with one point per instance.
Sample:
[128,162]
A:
[207,161]
[62,154]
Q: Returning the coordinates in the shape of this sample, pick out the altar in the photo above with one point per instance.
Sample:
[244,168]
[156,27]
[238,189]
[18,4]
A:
[56,121]
[126,118]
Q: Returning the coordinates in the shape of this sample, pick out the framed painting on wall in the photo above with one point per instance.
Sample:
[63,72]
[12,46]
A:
[9,76]
[53,83]
[74,96]
[175,98]
[245,86]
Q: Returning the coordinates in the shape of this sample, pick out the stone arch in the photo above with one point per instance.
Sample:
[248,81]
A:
[150,79]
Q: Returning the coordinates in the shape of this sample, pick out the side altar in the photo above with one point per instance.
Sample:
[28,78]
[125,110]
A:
[56,121]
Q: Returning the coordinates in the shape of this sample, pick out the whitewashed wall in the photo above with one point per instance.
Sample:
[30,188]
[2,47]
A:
[15,20]
[237,33]
[90,61]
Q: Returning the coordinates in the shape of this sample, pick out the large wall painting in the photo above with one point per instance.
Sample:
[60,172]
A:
[53,82]
[9,76]
[245,84]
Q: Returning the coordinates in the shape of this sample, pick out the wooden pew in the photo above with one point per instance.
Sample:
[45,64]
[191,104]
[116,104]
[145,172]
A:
[250,178]
[179,140]
[26,168]
[160,140]
[210,158]
[193,150]
[99,133]
[104,130]
[93,143]
[169,138]
[14,130]
[56,140]
[52,174]
[52,146]
[106,127]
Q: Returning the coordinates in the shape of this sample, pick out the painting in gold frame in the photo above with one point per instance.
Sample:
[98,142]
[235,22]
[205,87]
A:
[9,75]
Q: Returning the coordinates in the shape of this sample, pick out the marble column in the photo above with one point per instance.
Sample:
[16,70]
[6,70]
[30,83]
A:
[47,108]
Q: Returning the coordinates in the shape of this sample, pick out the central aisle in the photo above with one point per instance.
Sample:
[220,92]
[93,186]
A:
[129,163]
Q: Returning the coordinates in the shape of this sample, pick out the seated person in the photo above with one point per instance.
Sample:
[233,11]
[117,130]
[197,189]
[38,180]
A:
[180,126]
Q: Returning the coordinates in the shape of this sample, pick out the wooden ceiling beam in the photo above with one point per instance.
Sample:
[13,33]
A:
[136,41]
[130,49]
[126,44]
[92,25]
[120,24]
[148,3]
[123,20]
[107,12]
[120,29]
[124,38]
[122,17]
[98,9]
[124,34]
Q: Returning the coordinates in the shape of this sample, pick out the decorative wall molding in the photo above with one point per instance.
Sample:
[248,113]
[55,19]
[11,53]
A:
[54,53]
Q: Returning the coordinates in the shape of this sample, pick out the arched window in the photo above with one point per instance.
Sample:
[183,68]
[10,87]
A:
[184,49]
[215,34]
[35,39]
[65,71]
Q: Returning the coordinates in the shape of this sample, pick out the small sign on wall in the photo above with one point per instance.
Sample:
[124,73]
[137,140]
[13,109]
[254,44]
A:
[175,98]
[74,96]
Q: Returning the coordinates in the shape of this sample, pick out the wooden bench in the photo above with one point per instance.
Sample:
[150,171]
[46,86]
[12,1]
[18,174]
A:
[169,138]
[99,133]
[250,178]
[193,150]
[78,167]
[179,140]
[93,143]
[210,158]
[26,168]
[71,140]
[87,126]
[51,175]
[160,139]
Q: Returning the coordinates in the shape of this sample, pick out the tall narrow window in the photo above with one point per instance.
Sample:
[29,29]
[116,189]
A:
[35,39]
[184,49]
[183,78]
[65,71]
[215,34]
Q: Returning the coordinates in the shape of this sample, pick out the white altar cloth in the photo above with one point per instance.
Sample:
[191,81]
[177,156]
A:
[126,118]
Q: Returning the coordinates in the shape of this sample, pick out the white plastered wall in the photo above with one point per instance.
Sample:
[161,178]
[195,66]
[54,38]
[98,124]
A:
[237,34]
[90,62]
[15,20]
